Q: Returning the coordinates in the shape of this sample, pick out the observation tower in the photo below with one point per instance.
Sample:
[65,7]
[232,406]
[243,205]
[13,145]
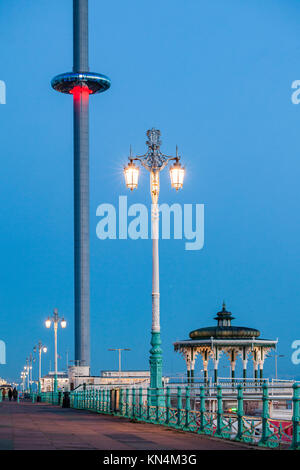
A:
[81,83]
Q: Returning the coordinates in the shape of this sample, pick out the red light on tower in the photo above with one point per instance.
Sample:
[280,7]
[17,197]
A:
[80,92]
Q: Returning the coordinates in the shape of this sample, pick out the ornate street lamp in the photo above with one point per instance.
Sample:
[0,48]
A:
[154,161]
[41,348]
[55,319]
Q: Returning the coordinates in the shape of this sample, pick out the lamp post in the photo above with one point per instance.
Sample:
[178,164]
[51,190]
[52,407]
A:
[120,351]
[26,368]
[31,360]
[154,161]
[276,356]
[41,348]
[23,377]
[55,319]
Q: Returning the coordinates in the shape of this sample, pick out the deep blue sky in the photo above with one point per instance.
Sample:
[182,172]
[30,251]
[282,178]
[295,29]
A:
[215,77]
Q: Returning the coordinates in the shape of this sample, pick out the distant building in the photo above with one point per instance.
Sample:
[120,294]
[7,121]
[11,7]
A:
[47,382]
[110,377]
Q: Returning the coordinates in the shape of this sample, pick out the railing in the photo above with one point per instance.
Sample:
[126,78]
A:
[54,398]
[195,409]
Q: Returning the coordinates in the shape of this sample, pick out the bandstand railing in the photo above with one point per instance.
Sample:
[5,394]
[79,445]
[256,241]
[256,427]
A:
[196,408]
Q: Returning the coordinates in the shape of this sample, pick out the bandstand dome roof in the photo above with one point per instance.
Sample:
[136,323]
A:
[224,329]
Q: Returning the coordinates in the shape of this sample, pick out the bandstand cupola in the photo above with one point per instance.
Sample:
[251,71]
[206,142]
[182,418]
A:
[224,318]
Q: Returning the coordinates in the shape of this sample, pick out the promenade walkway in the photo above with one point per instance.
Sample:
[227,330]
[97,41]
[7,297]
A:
[27,426]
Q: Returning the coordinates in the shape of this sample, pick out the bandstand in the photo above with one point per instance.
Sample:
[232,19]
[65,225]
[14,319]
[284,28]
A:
[233,341]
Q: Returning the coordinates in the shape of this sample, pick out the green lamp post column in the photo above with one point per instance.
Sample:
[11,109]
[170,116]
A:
[154,161]
[296,418]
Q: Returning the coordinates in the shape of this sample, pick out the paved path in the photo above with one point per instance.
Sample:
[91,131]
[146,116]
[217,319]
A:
[27,426]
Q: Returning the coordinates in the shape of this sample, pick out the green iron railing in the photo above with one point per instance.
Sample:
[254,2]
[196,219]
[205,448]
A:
[188,409]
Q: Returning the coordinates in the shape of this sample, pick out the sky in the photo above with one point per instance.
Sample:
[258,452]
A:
[215,77]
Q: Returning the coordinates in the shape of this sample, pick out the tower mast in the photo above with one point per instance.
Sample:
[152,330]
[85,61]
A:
[81,84]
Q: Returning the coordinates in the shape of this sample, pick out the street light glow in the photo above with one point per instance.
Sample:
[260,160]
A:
[48,323]
[131,173]
[177,175]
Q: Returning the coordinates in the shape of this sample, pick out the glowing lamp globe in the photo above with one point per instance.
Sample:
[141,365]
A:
[177,176]
[131,173]
[48,323]
[63,323]
[45,349]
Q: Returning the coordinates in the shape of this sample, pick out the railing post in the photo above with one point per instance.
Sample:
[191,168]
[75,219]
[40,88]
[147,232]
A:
[108,401]
[141,403]
[187,407]
[104,401]
[157,401]
[179,407]
[168,406]
[97,399]
[121,402]
[219,412]
[296,418]
[133,403]
[202,410]
[100,401]
[265,416]
[240,413]
[127,403]
[148,404]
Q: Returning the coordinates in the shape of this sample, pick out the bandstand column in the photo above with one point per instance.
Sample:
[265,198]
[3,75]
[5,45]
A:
[216,365]
[261,369]
[205,364]
[188,371]
[255,365]
[232,370]
[192,374]
[245,361]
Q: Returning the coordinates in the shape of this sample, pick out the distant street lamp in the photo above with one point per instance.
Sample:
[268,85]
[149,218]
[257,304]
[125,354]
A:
[276,356]
[23,377]
[120,351]
[26,368]
[154,161]
[55,319]
[41,349]
[30,362]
